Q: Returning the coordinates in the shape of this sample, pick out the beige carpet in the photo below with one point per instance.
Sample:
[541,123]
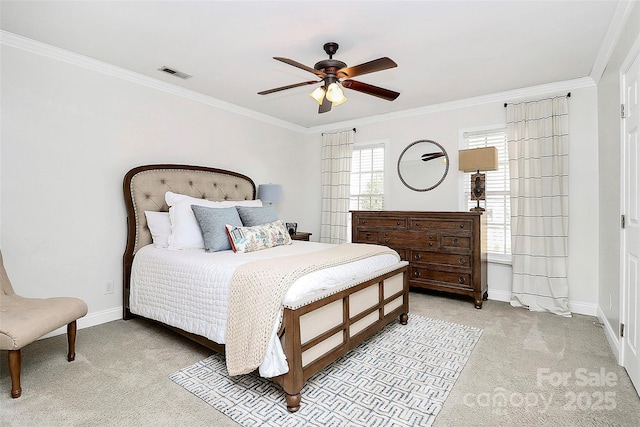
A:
[121,375]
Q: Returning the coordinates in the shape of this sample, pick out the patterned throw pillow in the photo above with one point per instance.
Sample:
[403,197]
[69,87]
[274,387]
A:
[249,239]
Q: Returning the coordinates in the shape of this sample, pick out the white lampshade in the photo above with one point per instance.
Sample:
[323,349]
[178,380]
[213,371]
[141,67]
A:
[335,94]
[318,94]
[342,101]
[270,193]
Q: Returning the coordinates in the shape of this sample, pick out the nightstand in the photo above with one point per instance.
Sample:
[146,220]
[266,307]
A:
[300,235]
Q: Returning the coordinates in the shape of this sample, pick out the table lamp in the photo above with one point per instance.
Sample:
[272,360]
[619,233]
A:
[477,160]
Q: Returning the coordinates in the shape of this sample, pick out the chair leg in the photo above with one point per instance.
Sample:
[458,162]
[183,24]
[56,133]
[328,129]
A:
[71,338]
[15,363]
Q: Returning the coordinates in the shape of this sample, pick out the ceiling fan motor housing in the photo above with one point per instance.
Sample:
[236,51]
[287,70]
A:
[329,66]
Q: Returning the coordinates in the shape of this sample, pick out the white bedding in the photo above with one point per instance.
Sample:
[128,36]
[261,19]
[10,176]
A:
[189,289]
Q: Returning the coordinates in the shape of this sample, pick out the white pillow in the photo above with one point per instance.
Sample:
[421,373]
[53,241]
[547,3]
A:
[185,230]
[160,226]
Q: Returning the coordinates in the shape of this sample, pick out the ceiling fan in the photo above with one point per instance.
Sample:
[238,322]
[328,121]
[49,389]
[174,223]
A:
[334,74]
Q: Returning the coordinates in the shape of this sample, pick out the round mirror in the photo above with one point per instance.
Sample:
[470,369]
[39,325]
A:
[423,165]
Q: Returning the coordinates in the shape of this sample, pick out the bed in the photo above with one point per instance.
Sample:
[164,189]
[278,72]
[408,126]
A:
[323,315]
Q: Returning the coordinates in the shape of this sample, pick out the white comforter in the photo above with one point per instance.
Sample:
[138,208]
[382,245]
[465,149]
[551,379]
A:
[189,289]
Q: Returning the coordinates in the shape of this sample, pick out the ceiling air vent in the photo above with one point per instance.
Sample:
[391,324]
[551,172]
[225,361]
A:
[175,72]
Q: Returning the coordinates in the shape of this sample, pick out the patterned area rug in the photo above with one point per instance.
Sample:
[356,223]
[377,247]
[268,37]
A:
[399,377]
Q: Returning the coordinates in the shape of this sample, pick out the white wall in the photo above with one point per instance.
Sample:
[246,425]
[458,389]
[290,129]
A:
[609,170]
[69,134]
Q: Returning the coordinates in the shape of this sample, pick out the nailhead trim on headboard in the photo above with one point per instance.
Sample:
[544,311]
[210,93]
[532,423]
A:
[148,187]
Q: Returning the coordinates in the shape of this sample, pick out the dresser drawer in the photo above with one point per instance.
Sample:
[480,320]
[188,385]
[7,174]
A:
[458,280]
[410,239]
[453,260]
[434,224]
[456,242]
[363,236]
[394,223]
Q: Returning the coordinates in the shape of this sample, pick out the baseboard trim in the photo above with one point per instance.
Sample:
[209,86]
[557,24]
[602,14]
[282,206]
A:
[577,307]
[499,295]
[91,319]
[612,336]
[586,308]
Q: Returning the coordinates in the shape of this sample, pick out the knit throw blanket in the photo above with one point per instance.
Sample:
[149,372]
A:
[257,292]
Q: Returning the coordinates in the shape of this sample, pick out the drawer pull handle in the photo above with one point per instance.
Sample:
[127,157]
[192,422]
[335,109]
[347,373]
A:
[417,223]
[416,273]
[368,236]
[461,225]
[461,279]
[462,261]
[455,242]
[398,223]
[417,256]
[430,243]
[386,240]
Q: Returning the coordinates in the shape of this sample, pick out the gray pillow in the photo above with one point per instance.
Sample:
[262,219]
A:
[212,222]
[257,216]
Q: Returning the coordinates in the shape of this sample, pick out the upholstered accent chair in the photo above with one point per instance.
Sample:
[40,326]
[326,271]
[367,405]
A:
[24,320]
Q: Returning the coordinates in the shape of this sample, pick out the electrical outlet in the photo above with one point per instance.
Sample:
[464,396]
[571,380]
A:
[108,287]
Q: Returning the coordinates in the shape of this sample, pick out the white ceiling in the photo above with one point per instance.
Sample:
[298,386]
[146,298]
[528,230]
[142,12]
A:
[445,50]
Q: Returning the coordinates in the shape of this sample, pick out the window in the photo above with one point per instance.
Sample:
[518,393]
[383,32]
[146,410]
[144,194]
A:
[497,206]
[367,177]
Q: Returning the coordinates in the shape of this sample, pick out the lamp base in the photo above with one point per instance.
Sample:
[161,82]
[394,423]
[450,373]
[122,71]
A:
[477,208]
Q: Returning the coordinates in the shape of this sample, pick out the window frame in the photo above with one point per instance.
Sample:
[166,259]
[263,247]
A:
[385,175]
[464,184]
[386,184]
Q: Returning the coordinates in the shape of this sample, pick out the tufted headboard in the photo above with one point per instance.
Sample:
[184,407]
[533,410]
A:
[144,189]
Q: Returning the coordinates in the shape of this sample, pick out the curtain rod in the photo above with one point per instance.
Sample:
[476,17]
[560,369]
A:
[327,133]
[568,96]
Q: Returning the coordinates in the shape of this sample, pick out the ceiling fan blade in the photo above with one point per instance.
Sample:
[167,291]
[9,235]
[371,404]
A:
[325,106]
[387,94]
[278,89]
[299,65]
[368,67]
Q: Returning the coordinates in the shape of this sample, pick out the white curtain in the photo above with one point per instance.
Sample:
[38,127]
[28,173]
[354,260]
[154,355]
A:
[336,178]
[538,145]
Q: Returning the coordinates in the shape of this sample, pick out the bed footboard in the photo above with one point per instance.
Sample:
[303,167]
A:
[318,333]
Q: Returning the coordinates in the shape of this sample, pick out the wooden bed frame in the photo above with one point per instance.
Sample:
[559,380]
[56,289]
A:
[314,332]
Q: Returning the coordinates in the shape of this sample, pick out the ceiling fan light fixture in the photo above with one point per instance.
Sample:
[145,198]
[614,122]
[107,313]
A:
[335,94]
[318,94]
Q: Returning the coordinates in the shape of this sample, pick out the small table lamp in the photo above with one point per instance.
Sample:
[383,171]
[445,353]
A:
[478,159]
[270,193]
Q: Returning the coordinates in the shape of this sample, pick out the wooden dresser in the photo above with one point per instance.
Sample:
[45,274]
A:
[446,250]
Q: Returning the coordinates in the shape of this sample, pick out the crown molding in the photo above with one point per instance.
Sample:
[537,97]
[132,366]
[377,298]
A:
[616,26]
[39,48]
[499,97]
